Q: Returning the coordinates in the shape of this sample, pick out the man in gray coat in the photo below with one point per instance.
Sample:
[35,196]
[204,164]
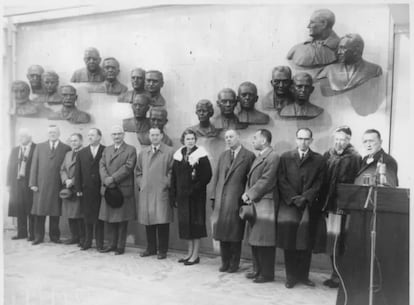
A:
[45,183]
[262,194]
[153,175]
[229,183]
[116,169]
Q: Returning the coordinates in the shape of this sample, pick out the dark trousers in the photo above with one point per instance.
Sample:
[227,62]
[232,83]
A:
[22,226]
[118,233]
[264,261]
[163,232]
[54,232]
[297,264]
[230,253]
[99,234]
[77,229]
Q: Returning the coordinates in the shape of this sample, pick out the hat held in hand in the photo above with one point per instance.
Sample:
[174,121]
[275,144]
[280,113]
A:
[248,212]
[113,197]
[66,193]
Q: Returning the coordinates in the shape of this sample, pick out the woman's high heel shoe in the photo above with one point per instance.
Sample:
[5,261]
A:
[189,263]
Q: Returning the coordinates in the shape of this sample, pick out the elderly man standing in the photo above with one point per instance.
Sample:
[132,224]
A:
[92,73]
[45,183]
[116,169]
[300,178]
[21,196]
[261,193]
[153,174]
[229,184]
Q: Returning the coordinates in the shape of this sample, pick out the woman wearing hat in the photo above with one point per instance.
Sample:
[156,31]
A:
[190,175]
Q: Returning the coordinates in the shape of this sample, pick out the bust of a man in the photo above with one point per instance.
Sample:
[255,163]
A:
[320,49]
[50,83]
[247,97]
[34,75]
[69,111]
[301,108]
[111,85]
[92,73]
[351,70]
[204,111]
[137,82]
[139,124]
[280,96]
[24,106]
[227,101]
[154,81]
[158,119]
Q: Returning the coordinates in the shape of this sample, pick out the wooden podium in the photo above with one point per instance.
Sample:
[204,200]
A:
[391,273]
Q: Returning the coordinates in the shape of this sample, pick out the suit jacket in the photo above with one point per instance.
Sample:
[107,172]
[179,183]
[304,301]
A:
[261,189]
[131,125]
[84,76]
[75,116]
[153,175]
[269,101]
[114,88]
[128,96]
[120,166]
[221,122]
[253,117]
[298,178]
[88,182]
[228,185]
[45,174]
[21,196]
[301,112]
[70,206]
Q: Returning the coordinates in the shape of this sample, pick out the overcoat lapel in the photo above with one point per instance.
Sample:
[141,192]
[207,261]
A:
[116,153]
[239,160]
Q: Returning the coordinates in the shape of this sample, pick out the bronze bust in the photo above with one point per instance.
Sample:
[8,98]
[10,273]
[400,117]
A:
[92,73]
[158,118]
[111,85]
[154,81]
[139,124]
[301,108]
[320,49]
[204,111]
[69,111]
[351,70]
[50,83]
[34,75]
[280,96]
[24,106]
[227,101]
[137,82]
[247,97]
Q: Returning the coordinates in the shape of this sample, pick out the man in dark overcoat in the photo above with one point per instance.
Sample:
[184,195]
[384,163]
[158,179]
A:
[88,188]
[116,169]
[229,184]
[300,177]
[21,196]
[46,184]
[261,192]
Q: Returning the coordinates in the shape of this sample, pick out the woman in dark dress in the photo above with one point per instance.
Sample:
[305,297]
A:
[190,175]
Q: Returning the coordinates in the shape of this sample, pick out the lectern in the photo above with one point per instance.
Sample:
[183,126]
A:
[391,263]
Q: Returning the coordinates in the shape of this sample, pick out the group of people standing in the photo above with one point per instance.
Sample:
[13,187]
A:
[278,200]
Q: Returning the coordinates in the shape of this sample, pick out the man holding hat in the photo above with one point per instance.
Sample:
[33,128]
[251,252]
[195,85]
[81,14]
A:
[116,169]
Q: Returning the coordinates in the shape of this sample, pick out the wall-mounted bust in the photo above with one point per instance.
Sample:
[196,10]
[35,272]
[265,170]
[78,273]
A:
[227,101]
[301,108]
[154,81]
[280,96]
[139,124]
[34,75]
[158,118]
[92,73]
[204,111]
[320,49]
[137,82]
[111,85]
[24,106]
[50,83]
[247,97]
[351,70]
[69,111]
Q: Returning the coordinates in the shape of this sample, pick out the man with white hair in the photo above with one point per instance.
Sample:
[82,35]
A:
[116,169]
[46,184]
[21,196]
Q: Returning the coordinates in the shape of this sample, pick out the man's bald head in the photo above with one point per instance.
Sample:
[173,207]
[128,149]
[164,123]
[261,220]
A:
[232,138]
[350,48]
[325,15]
[92,59]
[138,79]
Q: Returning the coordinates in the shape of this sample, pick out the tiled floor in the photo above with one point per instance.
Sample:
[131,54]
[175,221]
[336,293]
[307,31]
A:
[50,274]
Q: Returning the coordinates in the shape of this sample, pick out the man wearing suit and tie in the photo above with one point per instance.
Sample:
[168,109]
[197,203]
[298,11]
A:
[116,169]
[300,178]
[229,184]
[88,188]
[45,183]
[261,192]
[21,196]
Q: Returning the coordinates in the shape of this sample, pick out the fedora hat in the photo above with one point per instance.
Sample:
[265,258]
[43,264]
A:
[248,212]
[66,193]
[113,197]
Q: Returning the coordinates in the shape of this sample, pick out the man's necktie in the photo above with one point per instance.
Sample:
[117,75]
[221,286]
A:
[53,147]
[231,156]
